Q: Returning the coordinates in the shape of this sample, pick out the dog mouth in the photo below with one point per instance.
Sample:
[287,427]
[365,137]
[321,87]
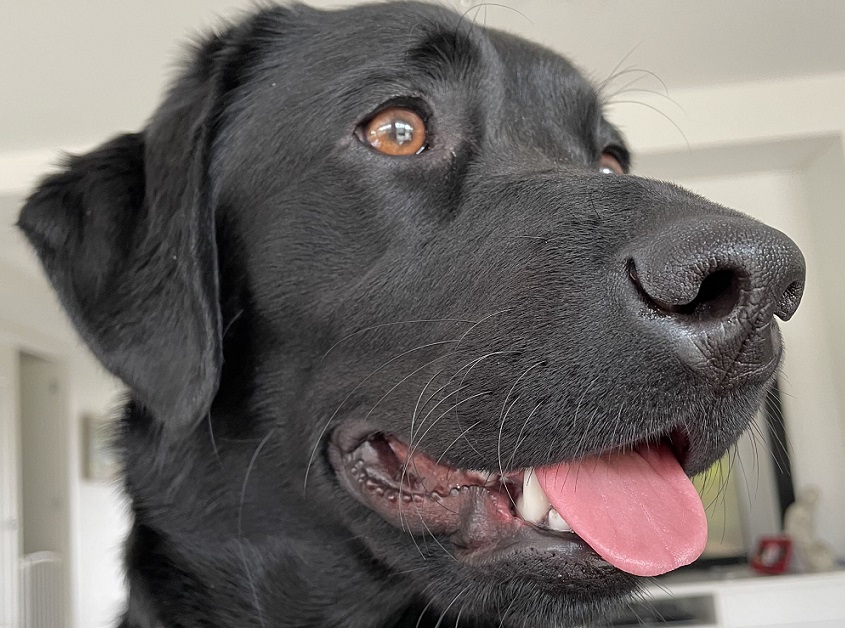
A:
[630,510]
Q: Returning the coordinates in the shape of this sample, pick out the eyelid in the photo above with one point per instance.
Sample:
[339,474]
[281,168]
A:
[415,103]
[620,154]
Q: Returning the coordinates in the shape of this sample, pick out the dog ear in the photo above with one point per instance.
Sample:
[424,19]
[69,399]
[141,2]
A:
[126,235]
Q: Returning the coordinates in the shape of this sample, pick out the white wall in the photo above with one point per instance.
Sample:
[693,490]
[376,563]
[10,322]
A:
[43,441]
[824,187]
[30,315]
[101,518]
[10,506]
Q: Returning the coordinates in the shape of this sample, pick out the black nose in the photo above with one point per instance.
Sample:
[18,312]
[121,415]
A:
[713,284]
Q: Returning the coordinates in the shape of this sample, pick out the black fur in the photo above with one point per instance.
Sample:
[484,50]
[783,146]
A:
[258,276]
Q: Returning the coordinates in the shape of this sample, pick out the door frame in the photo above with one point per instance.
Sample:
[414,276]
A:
[15,340]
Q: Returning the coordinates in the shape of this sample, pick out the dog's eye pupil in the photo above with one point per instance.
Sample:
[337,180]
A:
[396,131]
[609,164]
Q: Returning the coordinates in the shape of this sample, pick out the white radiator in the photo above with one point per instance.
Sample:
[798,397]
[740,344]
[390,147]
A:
[42,591]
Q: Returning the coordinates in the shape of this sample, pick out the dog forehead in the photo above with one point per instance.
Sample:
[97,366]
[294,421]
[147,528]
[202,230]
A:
[402,46]
[313,75]
[539,75]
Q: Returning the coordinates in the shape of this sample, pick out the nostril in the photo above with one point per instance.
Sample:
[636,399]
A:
[718,295]
[790,300]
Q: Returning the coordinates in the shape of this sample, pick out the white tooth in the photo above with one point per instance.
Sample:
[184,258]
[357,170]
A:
[532,504]
[556,522]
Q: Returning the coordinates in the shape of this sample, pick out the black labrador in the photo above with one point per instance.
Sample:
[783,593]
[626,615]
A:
[406,344]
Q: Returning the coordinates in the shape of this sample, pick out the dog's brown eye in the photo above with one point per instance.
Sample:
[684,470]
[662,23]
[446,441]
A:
[396,131]
[609,164]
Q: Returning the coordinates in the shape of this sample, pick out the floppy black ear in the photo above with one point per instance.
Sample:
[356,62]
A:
[126,235]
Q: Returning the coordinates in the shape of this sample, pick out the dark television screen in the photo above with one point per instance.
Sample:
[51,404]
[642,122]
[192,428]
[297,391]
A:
[746,492]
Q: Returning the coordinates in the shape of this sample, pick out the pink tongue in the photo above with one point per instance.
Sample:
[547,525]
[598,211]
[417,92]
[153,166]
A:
[638,510]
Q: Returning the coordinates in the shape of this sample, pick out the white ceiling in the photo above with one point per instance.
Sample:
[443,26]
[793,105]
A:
[75,71]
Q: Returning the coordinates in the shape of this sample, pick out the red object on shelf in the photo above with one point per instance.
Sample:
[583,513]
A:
[772,555]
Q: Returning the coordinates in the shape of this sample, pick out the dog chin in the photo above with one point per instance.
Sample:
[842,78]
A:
[518,603]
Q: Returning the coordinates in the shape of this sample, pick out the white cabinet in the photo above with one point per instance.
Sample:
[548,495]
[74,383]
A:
[809,600]
[740,599]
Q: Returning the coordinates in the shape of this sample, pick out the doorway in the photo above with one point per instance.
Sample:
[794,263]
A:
[34,508]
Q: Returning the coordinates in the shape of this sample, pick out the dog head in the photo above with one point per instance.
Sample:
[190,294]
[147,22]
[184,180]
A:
[400,330]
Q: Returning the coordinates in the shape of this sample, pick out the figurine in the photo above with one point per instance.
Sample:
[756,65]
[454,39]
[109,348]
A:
[799,524]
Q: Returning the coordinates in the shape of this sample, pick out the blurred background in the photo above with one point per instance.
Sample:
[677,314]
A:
[742,101]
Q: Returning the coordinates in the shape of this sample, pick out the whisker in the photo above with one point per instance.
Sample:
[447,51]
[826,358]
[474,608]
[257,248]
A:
[231,322]
[507,610]
[460,612]
[457,438]
[641,77]
[432,535]
[483,319]
[393,324]
[472,364]
[519,439]
[402,522]
[478,7]
[613,75]
[256,601]
[654,75]
[213,441]
[418,408]
[402,381]
[452,603]
[249,468]
[499,441]
[422,612]
[407,571]
[665,97]
[662,113]
[503,418]
[411,452]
